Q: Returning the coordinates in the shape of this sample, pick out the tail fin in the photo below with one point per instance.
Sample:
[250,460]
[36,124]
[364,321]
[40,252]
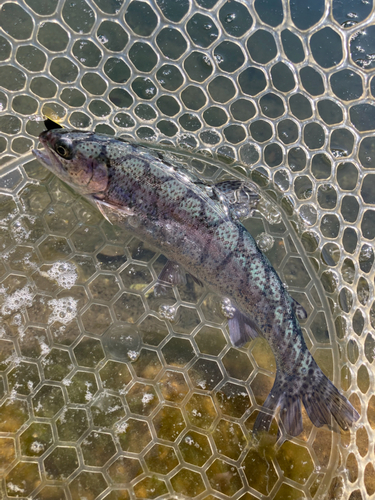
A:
[324,400]
[320,398]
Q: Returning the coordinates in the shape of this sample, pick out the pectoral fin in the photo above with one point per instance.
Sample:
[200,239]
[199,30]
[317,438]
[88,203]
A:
[100,207]
[113,214]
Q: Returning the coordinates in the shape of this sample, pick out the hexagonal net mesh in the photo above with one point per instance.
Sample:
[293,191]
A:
[109,392]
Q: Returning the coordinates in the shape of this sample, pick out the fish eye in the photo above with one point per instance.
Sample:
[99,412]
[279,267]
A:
[64,150]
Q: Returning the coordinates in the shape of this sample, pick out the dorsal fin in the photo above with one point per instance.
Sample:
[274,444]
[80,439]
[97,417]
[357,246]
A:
[299,310]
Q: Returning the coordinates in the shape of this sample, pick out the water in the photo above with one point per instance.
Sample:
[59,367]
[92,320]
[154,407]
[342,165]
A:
[170,415]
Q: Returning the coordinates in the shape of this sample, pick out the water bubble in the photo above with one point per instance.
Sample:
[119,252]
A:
[133,355]
[230,18]
[308,214]
[227,309]
[241,211]
[45,349]
[348,274]
[363,295]
[269,212]
[281,179]
[188,440]
[37,447]
[366,253]
[121,427]
[206,60]
[17,320]
[19,229]
[273,217]
[147,398]
[36,118]
[339,153]
[348,24]
[122,341]
[89,395]
[167,312]
[103,39]
[15,488]
[264,241]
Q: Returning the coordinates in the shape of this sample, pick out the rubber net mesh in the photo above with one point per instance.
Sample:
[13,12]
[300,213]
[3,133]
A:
[108,392]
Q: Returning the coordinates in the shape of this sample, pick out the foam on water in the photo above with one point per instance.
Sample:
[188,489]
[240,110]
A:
[64,273]
[20,232]
[16,301]
[63,310]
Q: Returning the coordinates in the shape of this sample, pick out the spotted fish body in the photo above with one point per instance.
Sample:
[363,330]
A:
[167,208]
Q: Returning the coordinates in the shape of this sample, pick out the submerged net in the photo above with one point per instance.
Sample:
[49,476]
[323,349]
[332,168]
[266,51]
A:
[108,392]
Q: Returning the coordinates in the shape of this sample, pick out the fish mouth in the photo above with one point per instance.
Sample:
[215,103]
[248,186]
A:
[43,157]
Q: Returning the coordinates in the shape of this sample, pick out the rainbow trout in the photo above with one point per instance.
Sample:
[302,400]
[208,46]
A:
[190,223]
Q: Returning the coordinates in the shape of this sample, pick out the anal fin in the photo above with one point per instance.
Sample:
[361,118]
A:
[100,207]
[286,397]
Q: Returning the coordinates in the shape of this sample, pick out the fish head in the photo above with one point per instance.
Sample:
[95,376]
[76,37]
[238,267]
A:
[76,157]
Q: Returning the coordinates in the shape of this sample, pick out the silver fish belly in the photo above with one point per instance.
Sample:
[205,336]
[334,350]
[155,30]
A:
[190,224]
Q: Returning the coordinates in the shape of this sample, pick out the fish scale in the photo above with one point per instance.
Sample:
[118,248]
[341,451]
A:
[171,211]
